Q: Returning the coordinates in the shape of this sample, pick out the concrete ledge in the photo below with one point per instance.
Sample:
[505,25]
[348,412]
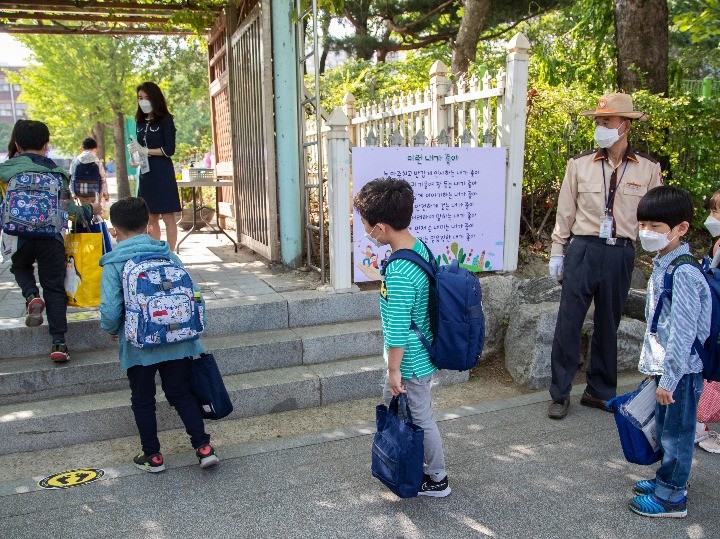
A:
[100,416]
[341,340]
[311,307]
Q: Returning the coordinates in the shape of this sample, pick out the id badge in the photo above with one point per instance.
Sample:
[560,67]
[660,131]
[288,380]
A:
[606,225]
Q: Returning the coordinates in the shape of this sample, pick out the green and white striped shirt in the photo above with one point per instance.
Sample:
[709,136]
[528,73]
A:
[404,297]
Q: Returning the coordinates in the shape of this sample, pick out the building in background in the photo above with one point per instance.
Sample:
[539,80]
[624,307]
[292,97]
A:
[10,109]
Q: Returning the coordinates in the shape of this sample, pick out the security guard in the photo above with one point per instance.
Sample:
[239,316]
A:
[592,250]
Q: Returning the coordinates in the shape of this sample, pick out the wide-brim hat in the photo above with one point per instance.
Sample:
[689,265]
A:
[616,105]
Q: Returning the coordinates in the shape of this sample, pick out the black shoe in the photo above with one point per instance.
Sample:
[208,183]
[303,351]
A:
[435,489]
[206,455]
[59,352]
[150,463]
[593,402]
[558,410]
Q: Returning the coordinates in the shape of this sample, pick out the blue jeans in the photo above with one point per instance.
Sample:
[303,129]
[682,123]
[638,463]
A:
[175,379]
[676,436]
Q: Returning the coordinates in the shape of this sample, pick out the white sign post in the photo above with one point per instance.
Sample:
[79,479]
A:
[459,203]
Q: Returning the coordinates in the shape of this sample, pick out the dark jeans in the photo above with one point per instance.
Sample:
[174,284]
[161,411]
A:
[676,435]
[50,257]
[593,271]
[175,379]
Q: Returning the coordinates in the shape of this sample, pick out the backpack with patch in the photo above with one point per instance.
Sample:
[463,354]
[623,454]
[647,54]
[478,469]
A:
[35,205]
[709,351]
[456,313]
[86,179]
[160,302]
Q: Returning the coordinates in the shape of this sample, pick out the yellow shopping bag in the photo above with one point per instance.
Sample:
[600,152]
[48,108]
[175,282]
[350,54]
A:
[82,268]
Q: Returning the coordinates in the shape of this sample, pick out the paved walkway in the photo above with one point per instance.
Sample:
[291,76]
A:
[514,474]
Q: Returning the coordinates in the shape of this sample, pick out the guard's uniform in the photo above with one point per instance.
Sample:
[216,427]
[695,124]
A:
[597,198]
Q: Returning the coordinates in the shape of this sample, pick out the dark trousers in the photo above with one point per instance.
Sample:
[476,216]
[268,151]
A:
[175,379]
[50,257]
[593,271]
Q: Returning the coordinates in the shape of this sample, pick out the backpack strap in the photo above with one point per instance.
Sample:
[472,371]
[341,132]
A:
[682,260]
[428,267]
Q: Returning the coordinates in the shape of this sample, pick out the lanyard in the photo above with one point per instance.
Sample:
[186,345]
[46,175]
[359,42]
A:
[610,199]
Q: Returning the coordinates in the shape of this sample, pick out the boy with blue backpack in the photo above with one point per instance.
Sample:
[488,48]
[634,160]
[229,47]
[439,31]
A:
[36,206]
[150,306]
[679,308]
[386,207]
[88,174]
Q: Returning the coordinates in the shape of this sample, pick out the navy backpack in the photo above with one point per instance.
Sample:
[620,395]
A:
[709,351]
[86,179]
[456,312]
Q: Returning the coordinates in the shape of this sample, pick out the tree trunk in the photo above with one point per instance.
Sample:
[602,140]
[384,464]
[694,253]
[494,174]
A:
[121,171]
[326,40]
[473,22]
[98,133]
[641,35]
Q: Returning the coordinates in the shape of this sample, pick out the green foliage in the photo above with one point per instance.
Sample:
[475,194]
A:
[73,82]
[370,82]
[574,45]
[701,18]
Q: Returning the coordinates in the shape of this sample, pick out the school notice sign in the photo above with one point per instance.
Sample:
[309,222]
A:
[459,203]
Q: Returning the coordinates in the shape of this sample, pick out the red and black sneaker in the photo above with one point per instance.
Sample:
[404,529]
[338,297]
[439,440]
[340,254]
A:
[149,463]
[59,352]
[206,455]
[35,308]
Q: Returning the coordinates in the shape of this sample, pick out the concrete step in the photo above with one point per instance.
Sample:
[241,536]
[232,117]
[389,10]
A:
[35,378]
[101,416]
[224,317]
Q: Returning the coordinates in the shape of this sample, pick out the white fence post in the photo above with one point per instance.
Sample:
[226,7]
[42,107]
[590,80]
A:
[439,87]
[338,186]
[349,109]
[511,134]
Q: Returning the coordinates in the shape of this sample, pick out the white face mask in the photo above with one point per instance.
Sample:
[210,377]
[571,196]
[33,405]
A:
[606,137]
[375,241]
[145,106]
[653,241]
[713,226]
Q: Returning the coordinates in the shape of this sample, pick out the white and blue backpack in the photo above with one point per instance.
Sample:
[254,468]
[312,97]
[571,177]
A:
[161,306]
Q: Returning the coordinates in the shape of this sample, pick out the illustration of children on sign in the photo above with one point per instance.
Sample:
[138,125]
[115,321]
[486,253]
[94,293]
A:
[387,257]
[370,266]
[368,255]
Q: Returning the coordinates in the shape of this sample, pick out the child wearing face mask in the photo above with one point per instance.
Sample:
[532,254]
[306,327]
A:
[712,223]
[668,354]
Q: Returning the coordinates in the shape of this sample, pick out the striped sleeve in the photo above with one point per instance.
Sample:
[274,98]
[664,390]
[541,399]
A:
[400,300]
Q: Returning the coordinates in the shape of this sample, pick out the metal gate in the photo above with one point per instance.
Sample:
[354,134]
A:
[253,144]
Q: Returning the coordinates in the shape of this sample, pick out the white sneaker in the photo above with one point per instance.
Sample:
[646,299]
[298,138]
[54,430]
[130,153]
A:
[701,432]
[712,443]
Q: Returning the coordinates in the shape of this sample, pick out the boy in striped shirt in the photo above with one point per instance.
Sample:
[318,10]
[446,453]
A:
[385,207]
[668,356]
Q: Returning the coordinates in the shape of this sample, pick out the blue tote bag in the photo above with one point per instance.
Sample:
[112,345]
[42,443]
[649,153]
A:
[398,448]
[635,445]
[208,387]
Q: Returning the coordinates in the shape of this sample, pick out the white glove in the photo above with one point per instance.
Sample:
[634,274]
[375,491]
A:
[556,267]
[134,146]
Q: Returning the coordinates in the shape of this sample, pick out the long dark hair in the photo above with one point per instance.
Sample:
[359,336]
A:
[12,147]
[156,98]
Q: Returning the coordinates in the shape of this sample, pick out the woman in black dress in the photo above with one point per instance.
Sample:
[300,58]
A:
[156,139]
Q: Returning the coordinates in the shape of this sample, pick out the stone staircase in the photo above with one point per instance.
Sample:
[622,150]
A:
[277,352]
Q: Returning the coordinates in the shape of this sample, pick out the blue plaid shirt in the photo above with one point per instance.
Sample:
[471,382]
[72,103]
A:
[669,352]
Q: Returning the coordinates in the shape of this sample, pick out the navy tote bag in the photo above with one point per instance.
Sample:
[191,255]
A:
[208,387]
[398,448]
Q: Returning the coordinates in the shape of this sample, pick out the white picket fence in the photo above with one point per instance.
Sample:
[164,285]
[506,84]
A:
[478,112]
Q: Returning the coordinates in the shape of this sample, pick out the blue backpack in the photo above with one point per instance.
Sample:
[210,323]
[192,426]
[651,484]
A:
[86,179]
[35,205]
[709,352]
[456,315]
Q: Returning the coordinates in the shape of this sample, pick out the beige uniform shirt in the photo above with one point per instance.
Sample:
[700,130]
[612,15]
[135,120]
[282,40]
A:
[581,204]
